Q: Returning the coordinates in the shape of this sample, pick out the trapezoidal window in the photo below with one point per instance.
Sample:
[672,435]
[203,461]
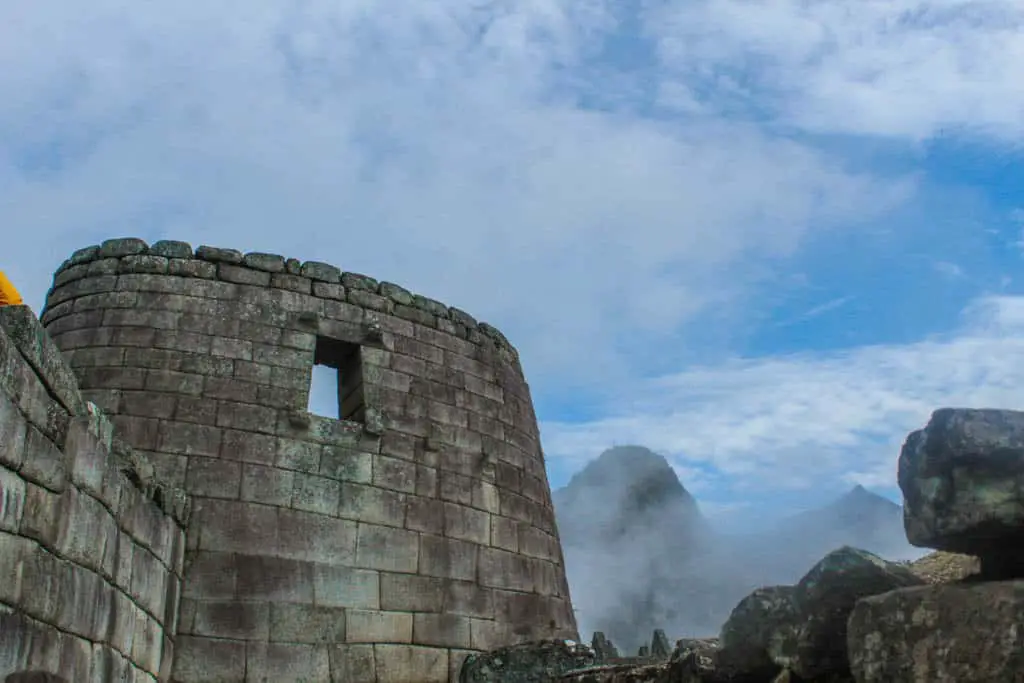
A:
[337,384]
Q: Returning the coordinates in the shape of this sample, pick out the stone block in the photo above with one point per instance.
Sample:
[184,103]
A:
[229,526]
[448,558]
[292,623]
[340,586]
[213,477]
[147,523]
[207,660]
[49,651]
[189,439]
[467,524]
[485,496]
[172,602]
[250,418]
[411,593]
[536,543]
[303,456]
[123,561]
[502,569]
[44,463]
[248,447]
[87,532]
[235,619]
[172,381]
[196,410]
[211,575]
[287,662]
[411,664]
[394,473]
[170,469]
[424,514]
[315,494]
[149,582]
[375,626]
[267,485]
[13,550]
[124,613]
[387,548]
[147,643]
[107,665]
[427,481]
[505,533]
[470,599]
[316,538]
[346,464]
[12,434]
[371,504]
[41,515]
[27,335]
[441,630]
[351,663]
[12,500]
[274,579]
[515,506]
[252,372]
[486,634]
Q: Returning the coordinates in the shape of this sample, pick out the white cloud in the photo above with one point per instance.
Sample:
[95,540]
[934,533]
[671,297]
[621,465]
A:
[439,145]
[907,68]
[793,422]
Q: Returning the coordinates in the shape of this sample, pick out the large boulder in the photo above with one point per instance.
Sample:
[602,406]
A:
[962,478]
[824,598]
[758,637]
[968,633]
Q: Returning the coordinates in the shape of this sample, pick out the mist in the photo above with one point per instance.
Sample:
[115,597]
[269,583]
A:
[640,555]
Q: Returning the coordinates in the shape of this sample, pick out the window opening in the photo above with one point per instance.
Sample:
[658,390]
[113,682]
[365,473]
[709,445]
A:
[336,390]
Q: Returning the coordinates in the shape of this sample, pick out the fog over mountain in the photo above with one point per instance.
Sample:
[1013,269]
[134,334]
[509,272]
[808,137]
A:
[640,554]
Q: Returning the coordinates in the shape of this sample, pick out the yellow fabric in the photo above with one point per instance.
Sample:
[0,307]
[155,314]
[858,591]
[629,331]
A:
[8,294]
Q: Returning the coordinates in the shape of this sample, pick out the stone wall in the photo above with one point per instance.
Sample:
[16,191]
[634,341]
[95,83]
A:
[380,548]
[91,547]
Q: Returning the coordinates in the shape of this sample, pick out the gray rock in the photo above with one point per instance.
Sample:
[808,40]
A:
[171,249]
[218,255]
[962,478]
[824,598]
[271,263]
[760,634]
[123,246]
[965,632]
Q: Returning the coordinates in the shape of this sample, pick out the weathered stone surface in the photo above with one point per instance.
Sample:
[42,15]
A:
[124,246]
[42,354]
[531,662]
[826,595]
[346,559]
[760,634]
[271,263]
[962,478]
[963,633]
[171,249]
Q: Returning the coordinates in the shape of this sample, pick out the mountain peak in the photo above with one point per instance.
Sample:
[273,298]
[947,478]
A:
[625,488]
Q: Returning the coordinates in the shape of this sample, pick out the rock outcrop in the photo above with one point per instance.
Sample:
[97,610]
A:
[962,478]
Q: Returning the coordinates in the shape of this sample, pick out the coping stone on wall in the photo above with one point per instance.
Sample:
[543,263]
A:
[133,252]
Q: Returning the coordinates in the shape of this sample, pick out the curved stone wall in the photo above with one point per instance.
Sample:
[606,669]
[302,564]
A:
[382,548]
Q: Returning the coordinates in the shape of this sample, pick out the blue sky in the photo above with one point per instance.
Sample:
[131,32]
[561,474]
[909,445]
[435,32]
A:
[764,239]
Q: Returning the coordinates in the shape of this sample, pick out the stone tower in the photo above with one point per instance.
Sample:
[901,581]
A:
[380,544]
